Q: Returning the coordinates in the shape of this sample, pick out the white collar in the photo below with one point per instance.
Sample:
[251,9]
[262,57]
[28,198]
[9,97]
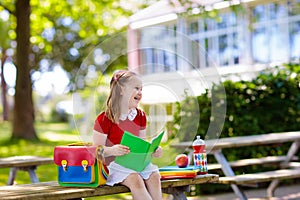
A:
[131,115]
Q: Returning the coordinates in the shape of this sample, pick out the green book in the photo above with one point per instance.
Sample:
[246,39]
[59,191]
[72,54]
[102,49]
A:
[140,151]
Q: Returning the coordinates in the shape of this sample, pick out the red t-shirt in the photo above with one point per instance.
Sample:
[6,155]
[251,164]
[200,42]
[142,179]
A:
[115,131]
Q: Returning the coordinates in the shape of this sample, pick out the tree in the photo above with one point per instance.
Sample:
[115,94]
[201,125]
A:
[62,34]
[23,120]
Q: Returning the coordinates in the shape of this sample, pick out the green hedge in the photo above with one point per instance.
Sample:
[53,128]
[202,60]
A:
[269,103]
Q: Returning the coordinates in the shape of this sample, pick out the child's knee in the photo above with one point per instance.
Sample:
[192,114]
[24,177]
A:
[135,181]
[155,176]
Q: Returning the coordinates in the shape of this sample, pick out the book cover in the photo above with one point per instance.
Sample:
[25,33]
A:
[176,168]
[175,172]
[140,151]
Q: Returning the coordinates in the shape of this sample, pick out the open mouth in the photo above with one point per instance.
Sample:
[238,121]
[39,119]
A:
[137,98]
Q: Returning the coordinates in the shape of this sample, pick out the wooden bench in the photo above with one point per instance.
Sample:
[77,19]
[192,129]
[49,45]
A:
[261,176]
[51,190]
[269,160]
[264,161]
[25,163]
[287,168]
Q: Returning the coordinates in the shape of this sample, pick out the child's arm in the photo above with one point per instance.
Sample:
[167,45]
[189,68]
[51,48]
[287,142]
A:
[157,153]
[115,150]
[99,138]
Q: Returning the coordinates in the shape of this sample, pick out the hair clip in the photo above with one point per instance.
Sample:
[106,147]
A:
[118,75]
[115,77]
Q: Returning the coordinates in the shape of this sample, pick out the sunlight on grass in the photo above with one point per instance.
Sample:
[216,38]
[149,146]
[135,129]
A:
[62,128]
[5,131]
[57,132]
[50,134]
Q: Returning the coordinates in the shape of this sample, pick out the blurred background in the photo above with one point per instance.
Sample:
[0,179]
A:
[209,68]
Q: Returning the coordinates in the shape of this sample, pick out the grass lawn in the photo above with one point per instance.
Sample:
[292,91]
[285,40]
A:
[51,135]
[44,147]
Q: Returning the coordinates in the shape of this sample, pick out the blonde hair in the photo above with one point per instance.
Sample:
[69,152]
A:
[113,102]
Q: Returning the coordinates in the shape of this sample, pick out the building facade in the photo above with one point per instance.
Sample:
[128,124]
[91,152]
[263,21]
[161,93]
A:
[180,54]
[256,33]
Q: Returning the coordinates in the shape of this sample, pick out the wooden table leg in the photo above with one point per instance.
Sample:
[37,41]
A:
[30,170]
[12,175]
[178,193]
[229,172]
[292,151]
[190,156]
[32,174]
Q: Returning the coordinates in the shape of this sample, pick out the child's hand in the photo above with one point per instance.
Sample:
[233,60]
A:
[117,150]
[157,153]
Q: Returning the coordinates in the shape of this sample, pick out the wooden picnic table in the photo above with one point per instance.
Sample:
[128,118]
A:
[215,146]
[25,163]
[51,190]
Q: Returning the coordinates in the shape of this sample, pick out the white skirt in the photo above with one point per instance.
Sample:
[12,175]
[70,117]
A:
[118,173]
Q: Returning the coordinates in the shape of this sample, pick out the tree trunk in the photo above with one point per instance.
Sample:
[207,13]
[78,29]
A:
[23,121]
[4,87]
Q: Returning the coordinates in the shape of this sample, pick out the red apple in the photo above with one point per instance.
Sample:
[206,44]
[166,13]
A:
[182,160]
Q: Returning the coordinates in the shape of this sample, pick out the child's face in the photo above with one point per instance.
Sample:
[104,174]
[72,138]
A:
[132,92]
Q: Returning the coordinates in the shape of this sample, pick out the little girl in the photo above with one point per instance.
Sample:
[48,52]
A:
[122,115]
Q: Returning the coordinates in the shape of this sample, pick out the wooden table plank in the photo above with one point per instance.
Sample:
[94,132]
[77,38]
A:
[241,141]
[261,176]
[51,190]
[200,179]
[24,161]
[274,160]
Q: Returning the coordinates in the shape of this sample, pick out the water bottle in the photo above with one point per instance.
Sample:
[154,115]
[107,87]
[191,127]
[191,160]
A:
[200,160]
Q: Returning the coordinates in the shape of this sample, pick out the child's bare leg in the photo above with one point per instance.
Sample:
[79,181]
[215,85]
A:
[154,186]
[137,187]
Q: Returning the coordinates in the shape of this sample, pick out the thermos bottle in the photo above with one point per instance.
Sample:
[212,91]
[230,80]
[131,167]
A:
[200,160]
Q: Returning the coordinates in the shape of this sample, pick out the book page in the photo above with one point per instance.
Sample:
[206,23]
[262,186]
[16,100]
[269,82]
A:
[135,144]
[155,142]
[140,151]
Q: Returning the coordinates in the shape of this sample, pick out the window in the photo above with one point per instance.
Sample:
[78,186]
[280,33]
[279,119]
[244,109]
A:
[294,29]
[269,32]
[295,40]
[260,45]
[194,28]
[218,40]
[158,49]
[275,33]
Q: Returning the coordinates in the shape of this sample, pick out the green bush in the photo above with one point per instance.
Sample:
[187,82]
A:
[269,103]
